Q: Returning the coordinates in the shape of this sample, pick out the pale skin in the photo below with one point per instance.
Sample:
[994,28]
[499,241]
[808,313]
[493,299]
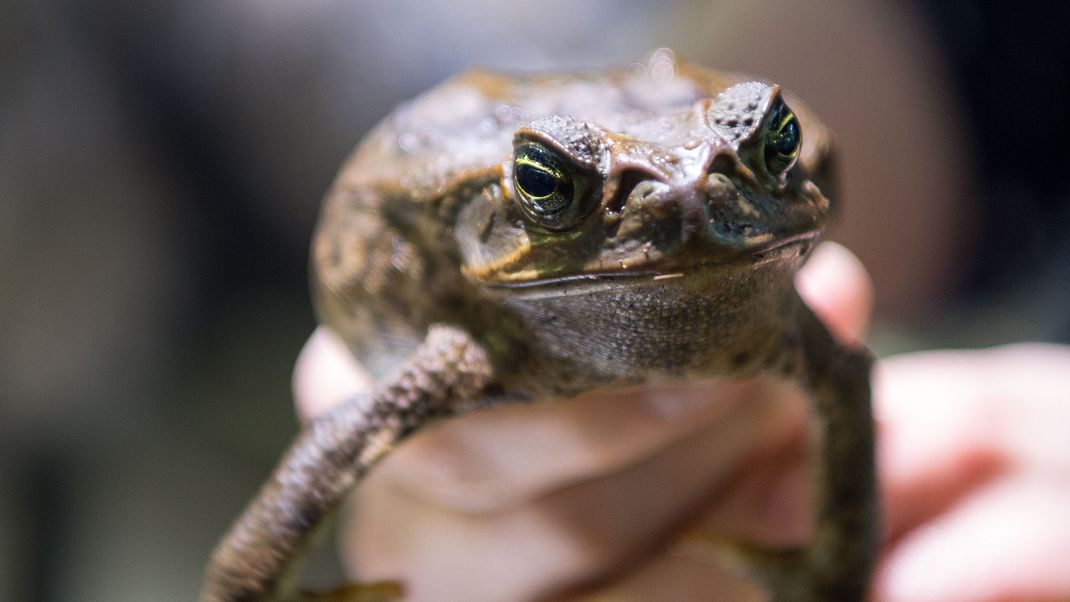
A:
[974,464]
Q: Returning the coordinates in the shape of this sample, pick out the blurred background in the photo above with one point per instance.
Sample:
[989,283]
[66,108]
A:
[161,166]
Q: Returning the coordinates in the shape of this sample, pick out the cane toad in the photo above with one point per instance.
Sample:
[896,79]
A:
[508,237]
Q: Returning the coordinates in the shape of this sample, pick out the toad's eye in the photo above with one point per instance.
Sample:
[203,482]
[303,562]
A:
[545,185]
[783,138]
[537,183]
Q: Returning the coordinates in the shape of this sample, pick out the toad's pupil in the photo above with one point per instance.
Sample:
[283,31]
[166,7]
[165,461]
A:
[787,138]
[536,182]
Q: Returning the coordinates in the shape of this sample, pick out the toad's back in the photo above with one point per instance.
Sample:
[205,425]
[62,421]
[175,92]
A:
[467,123]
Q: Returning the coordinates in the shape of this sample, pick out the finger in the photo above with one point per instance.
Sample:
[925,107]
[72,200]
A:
[950,421]
[834,283]
[933,442]
[770,500]
[496,458]
[552,494]
[1008,541]
[325,373]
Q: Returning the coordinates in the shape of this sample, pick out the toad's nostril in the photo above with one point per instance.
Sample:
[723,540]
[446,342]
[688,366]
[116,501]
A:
[720,193]
[653,199]
[722,164]
[731,216]
[644,190]
[631,181]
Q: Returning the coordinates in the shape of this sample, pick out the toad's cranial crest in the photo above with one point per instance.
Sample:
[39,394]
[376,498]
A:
[488,240]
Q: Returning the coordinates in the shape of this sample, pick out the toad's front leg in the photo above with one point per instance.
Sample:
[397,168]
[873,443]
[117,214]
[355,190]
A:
[257,557]
[841,557]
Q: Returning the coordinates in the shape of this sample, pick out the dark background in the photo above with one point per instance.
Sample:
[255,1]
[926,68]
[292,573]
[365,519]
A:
[161,166]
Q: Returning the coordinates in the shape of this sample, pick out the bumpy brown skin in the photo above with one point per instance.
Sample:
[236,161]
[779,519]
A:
[676,263]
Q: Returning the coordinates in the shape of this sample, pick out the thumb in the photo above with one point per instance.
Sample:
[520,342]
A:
[837,288]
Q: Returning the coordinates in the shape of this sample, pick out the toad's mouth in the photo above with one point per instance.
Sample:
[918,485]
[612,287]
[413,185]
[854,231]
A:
[638,275]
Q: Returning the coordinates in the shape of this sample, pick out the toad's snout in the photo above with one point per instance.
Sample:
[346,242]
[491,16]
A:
[704,205]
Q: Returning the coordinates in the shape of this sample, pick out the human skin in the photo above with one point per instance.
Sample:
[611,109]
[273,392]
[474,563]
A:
[973,460]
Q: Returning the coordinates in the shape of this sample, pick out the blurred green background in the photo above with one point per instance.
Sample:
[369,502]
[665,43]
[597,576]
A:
[161,166]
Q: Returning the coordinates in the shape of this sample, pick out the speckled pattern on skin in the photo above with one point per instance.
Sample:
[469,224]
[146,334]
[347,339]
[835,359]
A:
[502,238]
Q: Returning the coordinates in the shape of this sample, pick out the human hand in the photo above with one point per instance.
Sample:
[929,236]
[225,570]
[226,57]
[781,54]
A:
[524,501]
